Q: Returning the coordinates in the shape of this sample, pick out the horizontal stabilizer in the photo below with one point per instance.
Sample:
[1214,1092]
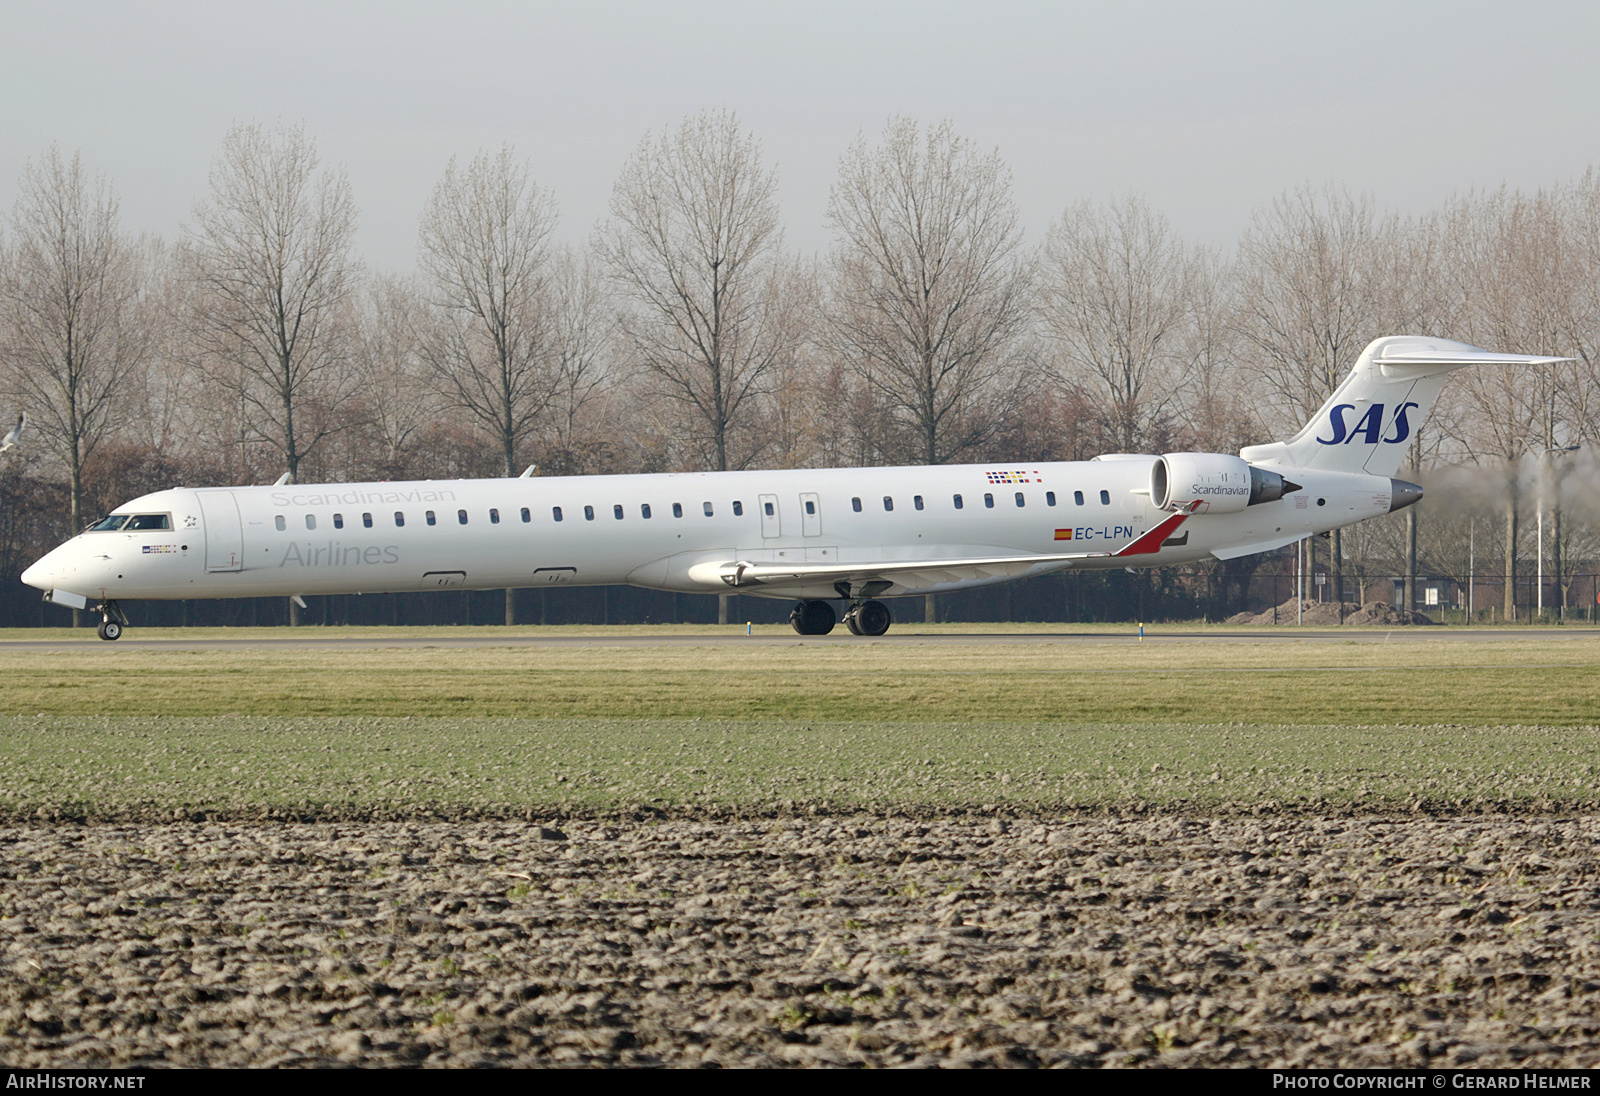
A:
[1374,415]
[1440,356]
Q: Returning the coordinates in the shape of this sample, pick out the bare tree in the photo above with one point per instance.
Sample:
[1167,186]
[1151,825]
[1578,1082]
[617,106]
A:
[397,392]
[271,256]
[1321,275]
[484,246]
[71,293]
[1311,295]
[582,343]
[929,287]
[695,248]
[1119,296]
[1220,419]
[802,410]
[1522,280]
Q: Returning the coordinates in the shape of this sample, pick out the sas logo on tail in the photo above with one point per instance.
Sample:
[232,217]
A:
[1369,427]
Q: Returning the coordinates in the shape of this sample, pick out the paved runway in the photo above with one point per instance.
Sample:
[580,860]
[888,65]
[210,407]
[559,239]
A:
[494,637]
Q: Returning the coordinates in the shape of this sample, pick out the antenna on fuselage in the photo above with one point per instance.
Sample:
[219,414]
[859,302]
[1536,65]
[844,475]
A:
[529,472]
[283,479]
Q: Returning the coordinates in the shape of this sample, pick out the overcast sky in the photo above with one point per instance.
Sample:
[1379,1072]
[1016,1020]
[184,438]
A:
[1207,109]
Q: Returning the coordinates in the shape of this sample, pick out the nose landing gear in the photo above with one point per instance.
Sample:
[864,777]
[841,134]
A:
[111,620]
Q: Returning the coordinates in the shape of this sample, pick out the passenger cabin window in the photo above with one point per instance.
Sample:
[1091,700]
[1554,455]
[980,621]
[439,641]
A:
[707,509]
[149,521]
[431,519]
[1021,501]
[311,521]
[1077,497]
[110,524]
[738,509]
[677,509]
[461,517]
[916,500]
[338,521]
[855,504]
[555,512]
[1105,498]
[644,510]
[957,500]
[988,500]
[527,515]
[1049,498]
[366,520]
[277,522]
[888,503]
[616,511]
[399,519]
[588,513]
[494,517]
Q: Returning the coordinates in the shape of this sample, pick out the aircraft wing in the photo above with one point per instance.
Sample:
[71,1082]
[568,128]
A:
[918,573]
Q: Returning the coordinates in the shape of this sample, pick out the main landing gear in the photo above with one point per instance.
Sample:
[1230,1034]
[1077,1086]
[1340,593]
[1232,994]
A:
[868,618]
[864,618]
[111,620]
[812,618]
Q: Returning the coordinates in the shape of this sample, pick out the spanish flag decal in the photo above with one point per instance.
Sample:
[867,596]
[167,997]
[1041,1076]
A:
[1063,534]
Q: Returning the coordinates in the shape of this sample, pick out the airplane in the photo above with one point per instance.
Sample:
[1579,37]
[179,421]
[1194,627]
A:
[817,536]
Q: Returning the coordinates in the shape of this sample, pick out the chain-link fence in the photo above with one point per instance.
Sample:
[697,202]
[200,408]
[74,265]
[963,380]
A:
[1475,599]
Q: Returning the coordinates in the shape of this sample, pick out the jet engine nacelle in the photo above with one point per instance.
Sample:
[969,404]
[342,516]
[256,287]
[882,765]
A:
[1222,484]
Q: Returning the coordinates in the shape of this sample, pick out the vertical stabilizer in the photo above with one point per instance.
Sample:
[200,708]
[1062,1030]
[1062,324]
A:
[1372,416]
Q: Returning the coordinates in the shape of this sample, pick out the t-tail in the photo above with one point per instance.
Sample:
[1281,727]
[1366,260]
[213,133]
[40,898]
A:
[1371,418]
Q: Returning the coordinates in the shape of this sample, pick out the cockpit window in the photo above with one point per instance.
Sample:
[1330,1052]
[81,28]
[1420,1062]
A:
[110,524]
[150,521]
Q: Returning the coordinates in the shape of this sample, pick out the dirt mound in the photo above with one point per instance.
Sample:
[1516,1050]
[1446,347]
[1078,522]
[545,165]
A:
[1331,612]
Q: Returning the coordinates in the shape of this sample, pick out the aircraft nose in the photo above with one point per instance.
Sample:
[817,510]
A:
[41,575]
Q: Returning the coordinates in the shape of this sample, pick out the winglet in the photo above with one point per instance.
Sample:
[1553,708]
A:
[1151,542]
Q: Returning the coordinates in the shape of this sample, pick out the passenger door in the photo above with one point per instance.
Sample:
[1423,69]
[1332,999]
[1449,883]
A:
[224,537]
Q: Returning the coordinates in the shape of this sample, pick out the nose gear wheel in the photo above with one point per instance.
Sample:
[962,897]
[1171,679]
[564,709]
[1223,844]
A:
[111,620]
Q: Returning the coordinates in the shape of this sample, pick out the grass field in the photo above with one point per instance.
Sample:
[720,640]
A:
[115,731]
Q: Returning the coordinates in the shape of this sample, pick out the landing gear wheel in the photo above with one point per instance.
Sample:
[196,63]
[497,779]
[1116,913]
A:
[109,629]
[812,618]
[870,618]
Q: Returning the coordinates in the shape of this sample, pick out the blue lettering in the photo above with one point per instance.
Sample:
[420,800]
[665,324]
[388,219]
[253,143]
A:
[1336,420]
[1371,426]
[1402,428]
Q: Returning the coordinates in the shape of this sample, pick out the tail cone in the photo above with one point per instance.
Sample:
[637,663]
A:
[1402,494]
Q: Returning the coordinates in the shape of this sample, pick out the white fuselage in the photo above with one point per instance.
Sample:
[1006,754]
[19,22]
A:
[664,531]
